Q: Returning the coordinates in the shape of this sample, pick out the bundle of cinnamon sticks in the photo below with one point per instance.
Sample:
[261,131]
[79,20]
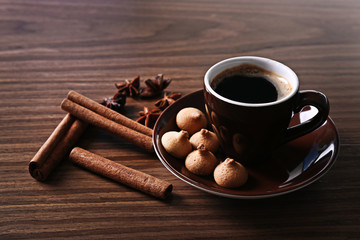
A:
[56,147]
[81,112]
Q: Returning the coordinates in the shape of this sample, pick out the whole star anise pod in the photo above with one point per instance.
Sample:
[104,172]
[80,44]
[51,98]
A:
[116,103]
[167,100]
[148,118]
[129,88]
[154,87]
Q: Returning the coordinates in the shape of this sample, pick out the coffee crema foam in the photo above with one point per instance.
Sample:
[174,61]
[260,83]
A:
[282,85]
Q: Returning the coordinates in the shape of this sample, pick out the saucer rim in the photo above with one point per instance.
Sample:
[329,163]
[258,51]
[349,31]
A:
[194,183]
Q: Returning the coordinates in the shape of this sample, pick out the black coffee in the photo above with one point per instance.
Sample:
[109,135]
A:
[247,89]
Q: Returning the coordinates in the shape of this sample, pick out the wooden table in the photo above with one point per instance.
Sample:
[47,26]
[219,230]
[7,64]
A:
[50,47]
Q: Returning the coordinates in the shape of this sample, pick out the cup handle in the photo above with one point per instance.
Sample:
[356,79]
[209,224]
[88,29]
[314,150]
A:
[309,98]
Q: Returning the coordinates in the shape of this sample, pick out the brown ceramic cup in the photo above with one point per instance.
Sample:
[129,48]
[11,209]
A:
[248,131]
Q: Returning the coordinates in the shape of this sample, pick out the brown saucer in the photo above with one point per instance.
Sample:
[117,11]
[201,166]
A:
[293,166]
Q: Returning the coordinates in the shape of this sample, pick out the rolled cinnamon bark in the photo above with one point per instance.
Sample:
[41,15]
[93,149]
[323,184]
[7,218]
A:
[59,143]
[108,113]
[108,125]
[120,173]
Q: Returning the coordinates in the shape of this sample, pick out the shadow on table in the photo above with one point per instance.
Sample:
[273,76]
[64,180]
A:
[300,213]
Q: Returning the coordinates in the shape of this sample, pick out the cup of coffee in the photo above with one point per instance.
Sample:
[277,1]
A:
[250,102]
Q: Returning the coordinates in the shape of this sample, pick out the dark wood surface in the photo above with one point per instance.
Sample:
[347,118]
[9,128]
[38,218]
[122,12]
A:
[50,47]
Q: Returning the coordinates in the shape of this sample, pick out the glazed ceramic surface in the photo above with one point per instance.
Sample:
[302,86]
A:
[248,132]
[291,167]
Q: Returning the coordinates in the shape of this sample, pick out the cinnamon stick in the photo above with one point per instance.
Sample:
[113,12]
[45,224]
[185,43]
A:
[120,173]
[59,143]
[108,125]
[108,113]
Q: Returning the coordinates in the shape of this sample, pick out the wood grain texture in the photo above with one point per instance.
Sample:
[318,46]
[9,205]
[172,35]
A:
[50,47]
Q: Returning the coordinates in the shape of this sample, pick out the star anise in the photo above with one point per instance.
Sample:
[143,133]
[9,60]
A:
[154,87]
[167,100]
[116,103]
[129,88]
[148,118]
